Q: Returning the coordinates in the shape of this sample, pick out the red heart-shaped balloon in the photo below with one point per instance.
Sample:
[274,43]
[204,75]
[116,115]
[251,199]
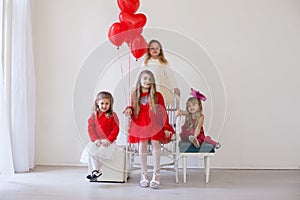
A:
[138,46]
[116,33]
[129,6]
[131,34]
[133,20]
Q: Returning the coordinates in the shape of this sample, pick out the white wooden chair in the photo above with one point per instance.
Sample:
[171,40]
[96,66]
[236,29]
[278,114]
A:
[206,158]
[187,150]
[169,152]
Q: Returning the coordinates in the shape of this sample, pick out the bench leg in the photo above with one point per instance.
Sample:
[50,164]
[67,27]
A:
[176,171]
[207,167]
[184,168]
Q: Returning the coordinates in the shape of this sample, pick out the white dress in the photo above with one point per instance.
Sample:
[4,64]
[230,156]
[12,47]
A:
[164,79]
[102,153]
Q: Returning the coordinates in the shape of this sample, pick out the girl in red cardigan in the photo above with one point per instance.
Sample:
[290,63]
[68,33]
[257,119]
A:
[149,123]
[103,129]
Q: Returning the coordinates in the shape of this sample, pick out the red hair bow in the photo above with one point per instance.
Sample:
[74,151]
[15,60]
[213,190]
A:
[198,95]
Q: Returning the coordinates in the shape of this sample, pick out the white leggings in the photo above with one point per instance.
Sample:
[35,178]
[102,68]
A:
[95,163]
[155,154]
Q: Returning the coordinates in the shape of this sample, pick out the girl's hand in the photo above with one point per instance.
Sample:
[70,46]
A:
[167,133]
[105,143]
[98,143]
[128,112]
[178,113]
[177,91]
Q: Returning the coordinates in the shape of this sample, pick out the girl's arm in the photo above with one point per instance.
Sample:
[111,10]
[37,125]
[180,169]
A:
[115,129]
[180,112]
[161,102]
[200,124]
[128,111]
[92,127]
[170,75]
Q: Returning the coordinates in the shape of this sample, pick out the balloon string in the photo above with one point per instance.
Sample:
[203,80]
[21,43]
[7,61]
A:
[122,73]
[129,99]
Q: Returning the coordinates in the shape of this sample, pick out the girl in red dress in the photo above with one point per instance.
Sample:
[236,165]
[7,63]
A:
[103,129]
[192,130]
[149,122]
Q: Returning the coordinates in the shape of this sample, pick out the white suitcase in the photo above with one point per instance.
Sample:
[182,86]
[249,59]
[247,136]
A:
[115,170]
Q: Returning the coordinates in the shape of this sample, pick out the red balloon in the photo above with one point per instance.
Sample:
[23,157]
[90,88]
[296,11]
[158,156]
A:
[131,34]
[116,33]
[129,6]
[133,20]
[138,47]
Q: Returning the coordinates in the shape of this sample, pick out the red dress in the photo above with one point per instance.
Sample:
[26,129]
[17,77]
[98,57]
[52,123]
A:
[184,135]
[101,127]
[150,125]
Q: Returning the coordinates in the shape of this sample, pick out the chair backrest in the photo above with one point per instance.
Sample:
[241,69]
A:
[171,109]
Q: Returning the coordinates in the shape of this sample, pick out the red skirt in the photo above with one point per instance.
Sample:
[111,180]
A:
[148,125]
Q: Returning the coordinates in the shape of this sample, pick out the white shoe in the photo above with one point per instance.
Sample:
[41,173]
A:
[144,182]
[154,183]
[194,141]
[218,145]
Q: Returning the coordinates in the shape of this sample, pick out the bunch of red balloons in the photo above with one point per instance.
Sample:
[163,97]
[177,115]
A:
[130,28]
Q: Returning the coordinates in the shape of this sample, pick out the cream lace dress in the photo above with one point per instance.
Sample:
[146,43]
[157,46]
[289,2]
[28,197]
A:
[164,79]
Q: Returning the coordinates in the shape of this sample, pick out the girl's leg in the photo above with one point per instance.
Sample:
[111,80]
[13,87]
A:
[156,160]
[156,155]
[194,141]
[217,145]
[144,182]
[210,141]
[95,166]
[95,163]
[143,155]
[193,138]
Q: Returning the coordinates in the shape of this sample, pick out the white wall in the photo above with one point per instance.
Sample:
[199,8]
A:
[254,45]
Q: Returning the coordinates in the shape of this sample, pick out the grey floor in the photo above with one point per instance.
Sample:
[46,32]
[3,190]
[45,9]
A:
[64,183]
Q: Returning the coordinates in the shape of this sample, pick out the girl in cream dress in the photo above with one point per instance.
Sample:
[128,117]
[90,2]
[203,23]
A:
[156,62]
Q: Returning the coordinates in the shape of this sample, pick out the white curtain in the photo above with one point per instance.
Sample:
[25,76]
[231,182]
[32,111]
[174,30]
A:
[18,93]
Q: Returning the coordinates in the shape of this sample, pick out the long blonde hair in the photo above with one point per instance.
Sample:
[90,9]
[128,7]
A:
[189,121]
[136,95]
[161,56]
[103,95]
